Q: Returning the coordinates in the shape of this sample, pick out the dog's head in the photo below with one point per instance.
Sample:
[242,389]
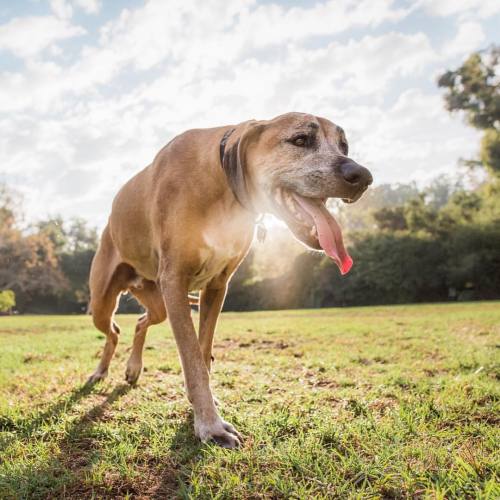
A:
[290,166]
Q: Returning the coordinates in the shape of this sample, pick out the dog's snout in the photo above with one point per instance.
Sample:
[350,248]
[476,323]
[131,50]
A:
[355,174]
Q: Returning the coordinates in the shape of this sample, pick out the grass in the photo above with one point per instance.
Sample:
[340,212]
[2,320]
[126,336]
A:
[382,402]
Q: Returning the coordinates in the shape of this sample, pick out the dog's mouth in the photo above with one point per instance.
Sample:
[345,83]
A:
[313,225]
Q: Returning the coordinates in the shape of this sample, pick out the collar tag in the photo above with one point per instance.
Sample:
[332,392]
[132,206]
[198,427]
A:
[261,230]
[261,233]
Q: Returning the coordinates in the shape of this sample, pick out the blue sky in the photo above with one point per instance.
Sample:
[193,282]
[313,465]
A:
[91,89]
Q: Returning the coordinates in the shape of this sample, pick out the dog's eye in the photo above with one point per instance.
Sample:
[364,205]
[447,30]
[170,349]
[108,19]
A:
[344,147]
[300,141]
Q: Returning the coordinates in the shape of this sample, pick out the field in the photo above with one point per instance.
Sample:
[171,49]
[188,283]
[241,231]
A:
[388,402]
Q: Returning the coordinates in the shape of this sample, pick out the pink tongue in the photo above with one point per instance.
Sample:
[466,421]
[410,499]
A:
[329,233]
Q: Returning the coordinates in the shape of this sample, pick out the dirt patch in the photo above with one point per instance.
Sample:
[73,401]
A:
[266,344]
[34,358]
[315,379]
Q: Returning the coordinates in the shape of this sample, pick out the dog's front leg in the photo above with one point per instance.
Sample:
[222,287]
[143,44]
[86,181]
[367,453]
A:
[208,425]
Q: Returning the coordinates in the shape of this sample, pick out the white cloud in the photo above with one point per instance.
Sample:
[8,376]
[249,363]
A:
[469,37]
[468,8]
[89,6]
[61,8]
[317,80]
[28,36]
[212,33]
[64,8]
[412,140]
[221,35]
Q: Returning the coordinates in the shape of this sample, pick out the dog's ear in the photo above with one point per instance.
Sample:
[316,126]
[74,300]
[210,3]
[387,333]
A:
[234,163]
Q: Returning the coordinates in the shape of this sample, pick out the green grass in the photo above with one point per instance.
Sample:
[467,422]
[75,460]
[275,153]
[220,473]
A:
[390,402]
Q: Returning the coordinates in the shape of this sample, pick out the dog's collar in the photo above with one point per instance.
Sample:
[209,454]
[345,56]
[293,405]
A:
[234,173]
[238,186]
[222,146]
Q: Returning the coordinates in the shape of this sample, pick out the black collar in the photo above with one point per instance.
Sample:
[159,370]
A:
[234,172]
[223,142]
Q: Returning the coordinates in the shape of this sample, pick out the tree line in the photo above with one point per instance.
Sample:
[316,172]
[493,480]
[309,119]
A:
[409,245]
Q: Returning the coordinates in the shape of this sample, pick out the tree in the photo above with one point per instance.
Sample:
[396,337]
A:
[441,190]
[9,207]
[474,89]
[490,150]
[75,244]
[28,260]
[391,218]
[28,264]
[359,216]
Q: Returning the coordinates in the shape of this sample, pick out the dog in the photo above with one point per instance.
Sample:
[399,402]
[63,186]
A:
[186,222]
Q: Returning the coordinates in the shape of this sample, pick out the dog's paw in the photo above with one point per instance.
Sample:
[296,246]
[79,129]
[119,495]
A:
[132,373]
[97,376]
[220,432]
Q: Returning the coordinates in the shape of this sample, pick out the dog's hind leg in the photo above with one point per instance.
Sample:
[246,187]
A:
[108,279]
[148,294]
[210,305]
[211,301]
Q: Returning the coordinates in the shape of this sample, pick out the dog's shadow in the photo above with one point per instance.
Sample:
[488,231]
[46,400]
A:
[78,452]
[27,426]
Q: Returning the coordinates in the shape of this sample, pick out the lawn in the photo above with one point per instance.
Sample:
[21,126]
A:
[390,402]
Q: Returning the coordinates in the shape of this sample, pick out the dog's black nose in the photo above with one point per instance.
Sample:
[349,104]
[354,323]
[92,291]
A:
[355,174]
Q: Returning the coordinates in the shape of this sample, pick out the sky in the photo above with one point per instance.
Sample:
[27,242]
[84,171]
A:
[90,90]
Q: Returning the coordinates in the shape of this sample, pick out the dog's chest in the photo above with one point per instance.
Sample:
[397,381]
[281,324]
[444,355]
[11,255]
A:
[223,245]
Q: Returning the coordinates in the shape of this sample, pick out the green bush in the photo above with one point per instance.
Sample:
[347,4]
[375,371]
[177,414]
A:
[7,300]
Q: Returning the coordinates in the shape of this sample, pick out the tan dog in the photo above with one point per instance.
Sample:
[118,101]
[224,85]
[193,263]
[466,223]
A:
[186,221]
